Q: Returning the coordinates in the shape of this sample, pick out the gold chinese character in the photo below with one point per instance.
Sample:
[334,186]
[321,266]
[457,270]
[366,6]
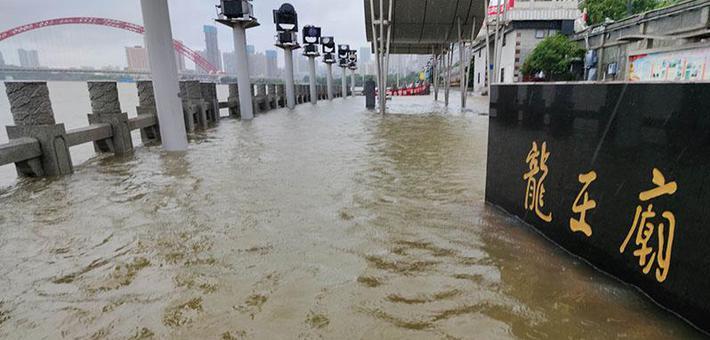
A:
[644,227]
[535,190]
[581,208]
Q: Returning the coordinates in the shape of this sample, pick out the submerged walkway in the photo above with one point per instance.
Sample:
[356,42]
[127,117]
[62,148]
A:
[329,221]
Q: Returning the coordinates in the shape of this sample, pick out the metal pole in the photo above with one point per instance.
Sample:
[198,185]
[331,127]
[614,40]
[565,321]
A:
[462,76]
[246,109]
[387,51]
[290,95]
[383,81]
[499,54]
[469,60]
[495,42]
[488,52]
[312,76]
[377,49]
[436,77]
[352,85]
[163,68]
[329,80]
[450,58]
[344,83]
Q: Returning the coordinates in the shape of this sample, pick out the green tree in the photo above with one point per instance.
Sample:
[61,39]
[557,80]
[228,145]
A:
[599,10]
[553,57]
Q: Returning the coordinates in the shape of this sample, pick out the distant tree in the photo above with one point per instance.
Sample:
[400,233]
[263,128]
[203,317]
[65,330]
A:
[599,10]
[553,57]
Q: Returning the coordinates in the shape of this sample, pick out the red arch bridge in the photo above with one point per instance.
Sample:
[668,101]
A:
[179,47]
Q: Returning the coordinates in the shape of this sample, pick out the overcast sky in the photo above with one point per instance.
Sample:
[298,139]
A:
[74,46]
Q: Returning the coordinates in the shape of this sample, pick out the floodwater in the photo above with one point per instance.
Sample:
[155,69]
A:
[323,222]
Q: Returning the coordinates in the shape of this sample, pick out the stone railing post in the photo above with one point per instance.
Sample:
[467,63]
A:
[273,102]
[106,108]
[193,107]
[254,102]
[233,100]
[209,98]
[146,106]
[299,94]
[306,93]
[261,97]
[33,117]
[215,102]
[281,95]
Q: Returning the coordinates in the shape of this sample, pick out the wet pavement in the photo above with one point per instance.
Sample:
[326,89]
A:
[325,222]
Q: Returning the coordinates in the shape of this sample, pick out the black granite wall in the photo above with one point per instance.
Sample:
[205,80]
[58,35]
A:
[634,159]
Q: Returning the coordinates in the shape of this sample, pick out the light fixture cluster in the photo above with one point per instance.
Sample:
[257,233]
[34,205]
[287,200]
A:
[311,38]
[286,20]
[240,10]
[343,55]
[328,46]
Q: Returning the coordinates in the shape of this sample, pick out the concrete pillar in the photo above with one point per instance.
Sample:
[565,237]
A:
[106,108]
[233,100]
[163,65]
[33,117]
[312,77]
[146,105]
[240,50]
[290,91]
[344,83]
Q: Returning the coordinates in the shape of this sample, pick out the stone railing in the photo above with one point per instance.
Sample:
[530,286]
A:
[39,146]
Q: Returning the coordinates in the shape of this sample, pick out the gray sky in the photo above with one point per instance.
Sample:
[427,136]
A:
[79,45]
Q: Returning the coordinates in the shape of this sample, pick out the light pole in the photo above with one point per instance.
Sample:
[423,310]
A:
[328,45]
[343,62]
[286,21]
[352,65]
[239,14]
[311,37]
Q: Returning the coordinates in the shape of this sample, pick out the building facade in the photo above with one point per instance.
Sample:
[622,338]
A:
[525,25]
[28,58]
[212,53]
[230,63]
[137,59]
[667,44]
[272,68]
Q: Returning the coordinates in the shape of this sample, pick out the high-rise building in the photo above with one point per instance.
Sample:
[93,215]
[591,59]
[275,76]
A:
[212,53]
[257,65]
[2,60]
[365,55]
[137,58]
[272,70]
[28,58]
[230,63]
[250,49]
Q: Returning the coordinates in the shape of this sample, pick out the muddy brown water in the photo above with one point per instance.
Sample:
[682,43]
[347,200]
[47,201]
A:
[325,222]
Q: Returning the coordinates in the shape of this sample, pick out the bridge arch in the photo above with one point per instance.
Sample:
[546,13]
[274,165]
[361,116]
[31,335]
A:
[127,26]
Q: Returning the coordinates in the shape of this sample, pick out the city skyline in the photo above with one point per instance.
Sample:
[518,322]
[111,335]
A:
[102,46]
